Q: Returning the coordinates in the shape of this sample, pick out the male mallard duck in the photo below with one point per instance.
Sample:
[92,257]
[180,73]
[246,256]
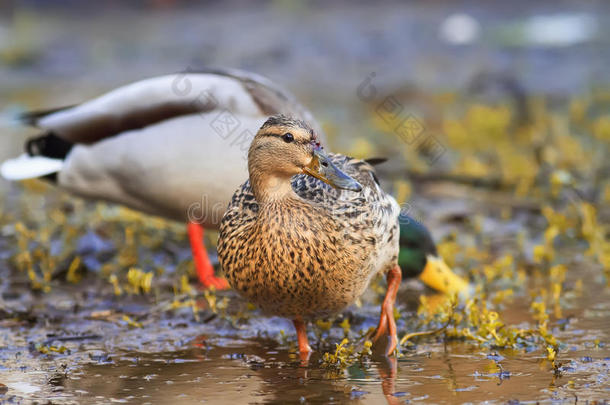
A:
[418,257]
[173,146]
[301,249]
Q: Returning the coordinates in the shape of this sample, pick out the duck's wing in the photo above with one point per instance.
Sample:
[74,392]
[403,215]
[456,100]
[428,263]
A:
[269,97]
[314,190]
[366,218]
[153,100]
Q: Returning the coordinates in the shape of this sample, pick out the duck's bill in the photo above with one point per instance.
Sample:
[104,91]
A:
[322,168]
[438,275]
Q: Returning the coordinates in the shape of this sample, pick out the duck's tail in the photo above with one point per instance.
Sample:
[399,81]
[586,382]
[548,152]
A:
[28,167]
[44,158]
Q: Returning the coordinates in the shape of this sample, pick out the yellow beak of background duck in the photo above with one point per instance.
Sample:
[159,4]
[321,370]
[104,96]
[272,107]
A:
[321,167]
[438,275]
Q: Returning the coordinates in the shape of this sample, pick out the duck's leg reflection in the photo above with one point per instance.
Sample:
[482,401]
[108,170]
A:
[387,372]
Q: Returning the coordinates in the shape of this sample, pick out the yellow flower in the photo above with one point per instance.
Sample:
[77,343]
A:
[601,128]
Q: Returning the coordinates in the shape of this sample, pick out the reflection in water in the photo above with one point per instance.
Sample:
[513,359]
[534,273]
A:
[260,371]
[387,372]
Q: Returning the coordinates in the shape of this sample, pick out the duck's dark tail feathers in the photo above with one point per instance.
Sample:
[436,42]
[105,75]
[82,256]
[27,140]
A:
[32,117]
[48,145]
[374,161]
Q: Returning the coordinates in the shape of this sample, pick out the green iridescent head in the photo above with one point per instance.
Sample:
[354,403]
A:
[418,258]
[415,245]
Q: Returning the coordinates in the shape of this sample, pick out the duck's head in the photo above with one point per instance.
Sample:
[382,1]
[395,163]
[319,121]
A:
[284,147]
[418,258]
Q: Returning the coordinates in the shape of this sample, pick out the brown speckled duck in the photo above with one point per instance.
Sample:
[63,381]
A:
[304,236]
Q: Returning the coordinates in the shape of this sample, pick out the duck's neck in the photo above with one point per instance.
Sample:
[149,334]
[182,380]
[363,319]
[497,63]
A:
[269,188]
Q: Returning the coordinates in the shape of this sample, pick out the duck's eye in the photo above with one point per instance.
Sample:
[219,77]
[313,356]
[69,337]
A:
[287,137]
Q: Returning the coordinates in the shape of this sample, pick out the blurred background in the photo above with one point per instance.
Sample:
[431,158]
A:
[433,60]
[552,47]
[495,118]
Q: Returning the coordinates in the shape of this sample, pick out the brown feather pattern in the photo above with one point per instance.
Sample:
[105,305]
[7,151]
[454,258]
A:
[314,253]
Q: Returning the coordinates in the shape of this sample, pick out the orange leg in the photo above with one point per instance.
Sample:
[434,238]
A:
[386,319]
[304,348]
[205,271]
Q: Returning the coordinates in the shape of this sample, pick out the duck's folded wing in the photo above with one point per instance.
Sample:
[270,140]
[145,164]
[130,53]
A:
[230,93]
[363,172]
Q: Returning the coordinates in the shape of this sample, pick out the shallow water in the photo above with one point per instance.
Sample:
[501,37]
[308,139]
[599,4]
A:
[176,359]
[434,374]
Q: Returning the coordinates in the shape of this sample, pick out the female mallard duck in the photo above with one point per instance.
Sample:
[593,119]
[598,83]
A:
[300,249]
[173,146]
